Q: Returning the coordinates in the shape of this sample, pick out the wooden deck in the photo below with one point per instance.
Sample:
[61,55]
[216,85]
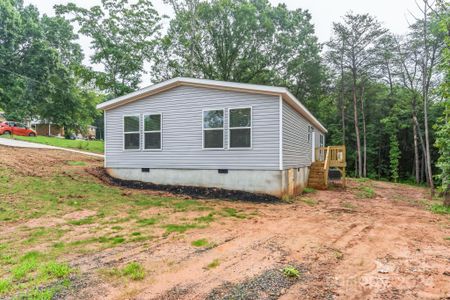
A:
[326,158]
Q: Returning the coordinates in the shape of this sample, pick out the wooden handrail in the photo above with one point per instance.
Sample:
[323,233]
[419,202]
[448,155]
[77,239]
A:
[326,165]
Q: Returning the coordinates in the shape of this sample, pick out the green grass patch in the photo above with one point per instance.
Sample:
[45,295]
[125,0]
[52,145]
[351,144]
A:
[308,190]
[180,228]
[206,219]
[365,192]
[200,243]
[290,271]
[147,222]
[90,146]
[85,221]
[232,212]
[5,286]
[214,264]
[54,269]
[114,240]
[440,209]
[76,163]
[134,270]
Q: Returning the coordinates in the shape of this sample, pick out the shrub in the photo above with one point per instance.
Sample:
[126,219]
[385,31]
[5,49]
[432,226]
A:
[291,271]
[134,270]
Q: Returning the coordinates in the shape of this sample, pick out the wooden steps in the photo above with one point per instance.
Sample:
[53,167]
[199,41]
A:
[316,177]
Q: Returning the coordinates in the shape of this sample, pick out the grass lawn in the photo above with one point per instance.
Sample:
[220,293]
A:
[45,220]
[90,146]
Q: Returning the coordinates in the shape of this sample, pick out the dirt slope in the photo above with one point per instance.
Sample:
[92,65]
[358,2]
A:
[345,245]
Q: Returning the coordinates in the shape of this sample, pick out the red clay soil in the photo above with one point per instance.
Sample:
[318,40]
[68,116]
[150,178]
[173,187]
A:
[346,247]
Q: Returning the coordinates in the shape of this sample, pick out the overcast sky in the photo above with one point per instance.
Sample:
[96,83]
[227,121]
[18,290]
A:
[394,14]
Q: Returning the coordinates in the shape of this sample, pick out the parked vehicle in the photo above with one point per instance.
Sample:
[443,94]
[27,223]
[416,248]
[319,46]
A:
[16,128]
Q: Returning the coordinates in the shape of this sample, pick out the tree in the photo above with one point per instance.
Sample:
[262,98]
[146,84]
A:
[123,36]
[38,69]
[354,40]
[242,41]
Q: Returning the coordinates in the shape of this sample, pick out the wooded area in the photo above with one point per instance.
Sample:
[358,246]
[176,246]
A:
[386,97]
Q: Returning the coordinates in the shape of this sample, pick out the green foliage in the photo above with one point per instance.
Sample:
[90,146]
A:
[179,227]
[40,69]
[123,36]
[440,209]
[308,190]
[56,270]
[365,192]
[5,285]
[242,41]
[291,271]
[394,155]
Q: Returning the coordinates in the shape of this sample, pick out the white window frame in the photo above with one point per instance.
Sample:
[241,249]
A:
[150,131]
[203,128]
[124,133]
[310,134]
[321,140]
[247,127]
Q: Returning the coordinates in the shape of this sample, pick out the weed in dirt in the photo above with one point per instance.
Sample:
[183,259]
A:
[146,222]
[348,205]
[232,212]
[112,240]
[361,180]
[85,221]
[76,163]
[206,219]
[365,192]
[180,228]
[117,228]
[291,271]
[136,233]
[447,238]
[440,209]
[309,201]
[338,254]
[54,269]
[308,190]
[203,243]
[200,243]
[5,286]
[134,270]
[28,263]
[214,264]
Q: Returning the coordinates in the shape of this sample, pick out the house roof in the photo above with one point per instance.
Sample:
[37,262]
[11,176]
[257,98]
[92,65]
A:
[214,84]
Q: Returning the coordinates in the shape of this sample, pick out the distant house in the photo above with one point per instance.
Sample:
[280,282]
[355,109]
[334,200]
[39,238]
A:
[207,133]
[46,128]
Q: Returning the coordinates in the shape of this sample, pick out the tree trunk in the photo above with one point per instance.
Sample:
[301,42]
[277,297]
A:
[423,148]
[416,154]
[358,139]
[425,102]
[364,133]
[342,96]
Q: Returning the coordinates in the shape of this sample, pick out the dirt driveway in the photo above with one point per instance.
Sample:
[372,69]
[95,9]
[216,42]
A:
[374,240]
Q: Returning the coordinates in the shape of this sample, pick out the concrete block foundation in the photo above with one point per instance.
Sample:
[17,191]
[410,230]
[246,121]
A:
[278,183]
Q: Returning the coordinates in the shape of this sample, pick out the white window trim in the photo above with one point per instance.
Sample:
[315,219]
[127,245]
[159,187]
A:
[321,140]
[247,127]
[123,132]
[223,128]
[310,134]
[150,131]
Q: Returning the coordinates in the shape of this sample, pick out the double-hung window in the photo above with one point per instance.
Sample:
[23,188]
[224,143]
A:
[131,132]
[310,133]
[213,129]
[152,132]
[240,127]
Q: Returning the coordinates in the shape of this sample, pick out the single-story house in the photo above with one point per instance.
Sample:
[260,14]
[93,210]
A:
[208,133]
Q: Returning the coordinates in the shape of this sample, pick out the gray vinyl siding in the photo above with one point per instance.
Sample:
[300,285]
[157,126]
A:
[296,149]
[181,110]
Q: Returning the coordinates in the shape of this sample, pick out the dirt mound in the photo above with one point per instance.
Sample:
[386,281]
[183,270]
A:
[192,191]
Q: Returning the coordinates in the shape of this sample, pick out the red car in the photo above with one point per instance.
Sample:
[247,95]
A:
[15,128]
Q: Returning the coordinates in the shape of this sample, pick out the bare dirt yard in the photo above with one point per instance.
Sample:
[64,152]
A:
[65,234]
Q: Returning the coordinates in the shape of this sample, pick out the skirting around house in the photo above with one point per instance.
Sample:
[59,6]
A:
[272,182]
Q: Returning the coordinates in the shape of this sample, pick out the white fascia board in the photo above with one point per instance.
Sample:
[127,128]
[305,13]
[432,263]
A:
[224,85]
